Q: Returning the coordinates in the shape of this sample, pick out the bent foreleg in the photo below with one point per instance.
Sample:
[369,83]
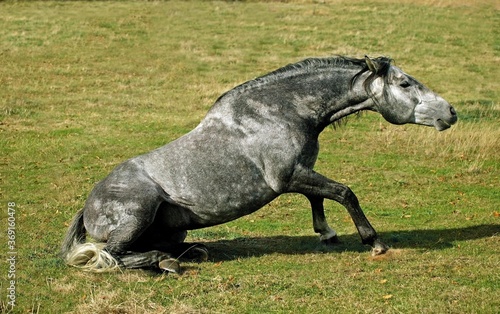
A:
[308,182]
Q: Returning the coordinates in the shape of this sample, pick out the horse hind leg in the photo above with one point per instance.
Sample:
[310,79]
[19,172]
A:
[127,247]
[130,221]
[119,210]
[155,260]
[166,258]
[143,242]
[156,238]
[127,257]
[123,242]
[116,249]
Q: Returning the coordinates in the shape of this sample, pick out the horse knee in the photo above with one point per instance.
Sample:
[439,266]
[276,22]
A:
[346,196]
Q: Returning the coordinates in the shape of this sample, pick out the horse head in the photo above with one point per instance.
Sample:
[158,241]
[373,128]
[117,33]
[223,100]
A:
[401,99]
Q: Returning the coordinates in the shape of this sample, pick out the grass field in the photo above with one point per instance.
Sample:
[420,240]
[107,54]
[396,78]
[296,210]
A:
[86,85]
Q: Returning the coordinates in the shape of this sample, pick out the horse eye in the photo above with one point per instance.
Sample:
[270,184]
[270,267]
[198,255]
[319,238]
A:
[405,84]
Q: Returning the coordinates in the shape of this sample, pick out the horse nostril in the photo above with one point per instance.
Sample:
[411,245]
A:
[452,111]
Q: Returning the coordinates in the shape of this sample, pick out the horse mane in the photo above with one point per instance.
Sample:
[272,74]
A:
[383,65]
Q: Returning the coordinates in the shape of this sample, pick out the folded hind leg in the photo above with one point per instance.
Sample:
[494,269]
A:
[165,258]
[152,259]
[157,238]
[120,209]
[140,243]
[122,243]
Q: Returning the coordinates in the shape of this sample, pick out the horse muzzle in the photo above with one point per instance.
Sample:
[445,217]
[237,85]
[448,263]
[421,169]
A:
[442,124]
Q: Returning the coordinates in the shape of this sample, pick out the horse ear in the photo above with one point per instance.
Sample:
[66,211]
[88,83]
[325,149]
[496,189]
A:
[372,66]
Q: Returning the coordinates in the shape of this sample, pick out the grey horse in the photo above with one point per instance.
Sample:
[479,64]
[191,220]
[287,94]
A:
[258,141]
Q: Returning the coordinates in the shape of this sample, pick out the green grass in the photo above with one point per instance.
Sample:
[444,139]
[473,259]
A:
[86,85]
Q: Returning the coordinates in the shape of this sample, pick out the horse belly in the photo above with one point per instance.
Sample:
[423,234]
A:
[214,192]
[233,204]
[225,199]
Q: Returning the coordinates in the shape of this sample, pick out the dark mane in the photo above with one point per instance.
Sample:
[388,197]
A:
[318,63]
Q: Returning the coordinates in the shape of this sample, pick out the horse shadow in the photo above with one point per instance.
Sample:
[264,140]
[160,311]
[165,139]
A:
[233,249]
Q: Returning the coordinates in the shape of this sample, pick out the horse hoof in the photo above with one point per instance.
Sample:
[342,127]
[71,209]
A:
[201,253]
[331,241]
[170,265]
[196,252]
[379,248]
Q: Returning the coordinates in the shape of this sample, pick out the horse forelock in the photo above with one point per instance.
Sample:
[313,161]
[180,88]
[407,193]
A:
[383,66]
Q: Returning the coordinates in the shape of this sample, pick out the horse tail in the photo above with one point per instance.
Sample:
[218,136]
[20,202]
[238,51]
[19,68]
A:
[87,256]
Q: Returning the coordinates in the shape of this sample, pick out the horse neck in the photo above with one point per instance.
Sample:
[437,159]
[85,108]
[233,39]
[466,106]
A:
[325,96]
[320,96]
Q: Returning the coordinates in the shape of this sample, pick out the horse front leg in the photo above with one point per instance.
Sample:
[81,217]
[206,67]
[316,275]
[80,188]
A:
[320,225]
[308,182]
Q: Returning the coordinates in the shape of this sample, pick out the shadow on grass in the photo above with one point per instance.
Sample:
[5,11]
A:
[225,250]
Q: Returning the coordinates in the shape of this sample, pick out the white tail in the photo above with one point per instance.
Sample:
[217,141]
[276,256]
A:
[87,256]
[91,257]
